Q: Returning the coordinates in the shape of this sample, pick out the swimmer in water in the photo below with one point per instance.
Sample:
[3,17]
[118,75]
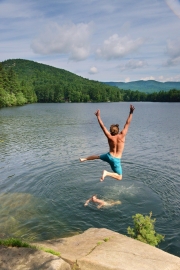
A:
[100,203]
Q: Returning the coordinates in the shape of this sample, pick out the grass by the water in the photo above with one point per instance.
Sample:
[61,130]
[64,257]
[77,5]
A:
[12,242]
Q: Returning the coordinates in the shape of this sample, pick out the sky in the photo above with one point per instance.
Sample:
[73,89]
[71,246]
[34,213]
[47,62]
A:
[102,40]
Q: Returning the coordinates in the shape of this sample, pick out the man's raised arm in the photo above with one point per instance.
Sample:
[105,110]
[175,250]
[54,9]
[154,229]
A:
[106,132]
[128,121]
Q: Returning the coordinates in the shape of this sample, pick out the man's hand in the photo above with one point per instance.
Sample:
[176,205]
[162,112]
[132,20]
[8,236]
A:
[97,113]
[131,109]
[86,203]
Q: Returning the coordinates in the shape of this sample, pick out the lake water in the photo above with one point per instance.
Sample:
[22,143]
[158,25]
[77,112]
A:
[43,186]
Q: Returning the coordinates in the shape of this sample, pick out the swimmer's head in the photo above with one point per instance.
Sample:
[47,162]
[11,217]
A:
[94,197]
[114,129]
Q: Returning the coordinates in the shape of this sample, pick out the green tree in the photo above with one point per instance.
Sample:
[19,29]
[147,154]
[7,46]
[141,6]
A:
[13,82]
[174,95]
[144,230]
[58,93]
[3,97]
[21,100]
[4,82]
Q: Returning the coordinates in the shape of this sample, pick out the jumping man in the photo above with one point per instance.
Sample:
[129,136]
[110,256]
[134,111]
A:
[116,141]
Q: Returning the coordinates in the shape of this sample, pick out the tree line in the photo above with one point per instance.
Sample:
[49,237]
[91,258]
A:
[24,81]
[172,95]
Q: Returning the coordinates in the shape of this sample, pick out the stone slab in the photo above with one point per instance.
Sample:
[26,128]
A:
[103,249]
[13,258]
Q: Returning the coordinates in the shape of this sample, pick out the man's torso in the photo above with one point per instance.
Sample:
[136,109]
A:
[116,145]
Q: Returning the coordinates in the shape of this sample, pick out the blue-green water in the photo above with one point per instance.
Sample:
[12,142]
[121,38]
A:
[43,186]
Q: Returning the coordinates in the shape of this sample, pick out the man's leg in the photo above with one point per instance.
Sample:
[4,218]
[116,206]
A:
[111,174]
[89,158]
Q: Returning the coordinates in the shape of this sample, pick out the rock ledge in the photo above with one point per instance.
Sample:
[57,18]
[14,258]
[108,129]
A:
[95,249]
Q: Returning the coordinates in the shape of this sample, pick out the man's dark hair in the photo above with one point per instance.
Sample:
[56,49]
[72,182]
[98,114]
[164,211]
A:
[114,129]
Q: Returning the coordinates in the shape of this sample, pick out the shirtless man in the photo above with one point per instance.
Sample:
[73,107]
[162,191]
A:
[116,141]
[101,202]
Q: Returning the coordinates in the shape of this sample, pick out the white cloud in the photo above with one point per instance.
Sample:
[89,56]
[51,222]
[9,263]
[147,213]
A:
[93,70]
[118,47]
[127,79]
[173,50]
[163,78]
[173,61]
[148,78]
[173,78]
[68,39]
[169,78]
[134,64]
[174,5]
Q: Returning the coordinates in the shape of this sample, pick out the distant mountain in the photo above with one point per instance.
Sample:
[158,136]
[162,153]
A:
[146,86]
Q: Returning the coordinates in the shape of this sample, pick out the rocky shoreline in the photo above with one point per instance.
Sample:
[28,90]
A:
[95,249]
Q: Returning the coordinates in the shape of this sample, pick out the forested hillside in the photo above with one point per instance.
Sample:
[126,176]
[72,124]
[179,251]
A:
[24,81]
[52,84]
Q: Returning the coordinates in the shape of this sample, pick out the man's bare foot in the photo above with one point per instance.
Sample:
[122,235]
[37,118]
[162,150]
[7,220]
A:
[103,175]
[82,159]
[117,202]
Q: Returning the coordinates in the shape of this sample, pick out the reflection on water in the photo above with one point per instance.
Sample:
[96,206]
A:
[43,186]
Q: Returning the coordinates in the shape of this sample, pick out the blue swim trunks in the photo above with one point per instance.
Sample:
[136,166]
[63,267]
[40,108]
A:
[114,162]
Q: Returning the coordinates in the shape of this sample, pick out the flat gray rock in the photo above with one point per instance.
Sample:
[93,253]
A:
[13,258]
[103,249]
